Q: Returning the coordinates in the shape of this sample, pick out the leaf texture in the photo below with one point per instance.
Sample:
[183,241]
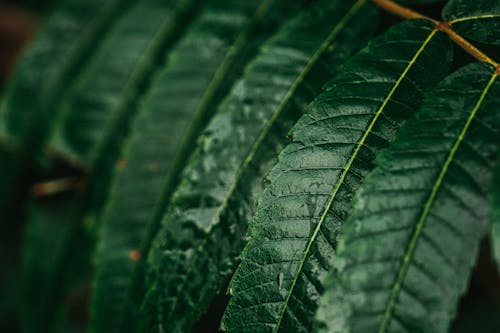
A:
[199,71]
[409,245]
[202,232]
[43,284]
[65,41]
[293,234]
[96,113]
[478,20]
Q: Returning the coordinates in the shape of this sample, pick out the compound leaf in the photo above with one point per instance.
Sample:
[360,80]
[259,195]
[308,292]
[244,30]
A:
[293,234]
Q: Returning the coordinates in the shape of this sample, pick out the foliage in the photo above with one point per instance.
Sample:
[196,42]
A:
[326,172]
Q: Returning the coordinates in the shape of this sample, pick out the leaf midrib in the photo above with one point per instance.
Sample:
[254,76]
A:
[475,17]
[426,210]
[263,134]
[344,174]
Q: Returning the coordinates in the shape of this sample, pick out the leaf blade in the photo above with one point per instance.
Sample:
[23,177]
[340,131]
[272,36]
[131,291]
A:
[52,224]
[65,40]
[104,97]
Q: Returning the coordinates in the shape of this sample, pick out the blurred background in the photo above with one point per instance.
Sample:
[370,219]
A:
[479,309]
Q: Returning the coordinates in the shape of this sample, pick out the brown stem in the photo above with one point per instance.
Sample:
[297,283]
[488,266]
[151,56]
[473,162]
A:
[463,43]
[401,11]
[404,12]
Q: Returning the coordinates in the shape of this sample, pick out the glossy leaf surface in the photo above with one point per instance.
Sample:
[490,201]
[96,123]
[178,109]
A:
[409,245]
[479,20]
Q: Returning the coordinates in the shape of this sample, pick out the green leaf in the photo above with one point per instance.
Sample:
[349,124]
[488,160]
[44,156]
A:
[143,22]
[293,234]
[53,223]
[199,72]
[478,20]
[96,114]
[408,247]
[65,41]
[495,216]
[203,230]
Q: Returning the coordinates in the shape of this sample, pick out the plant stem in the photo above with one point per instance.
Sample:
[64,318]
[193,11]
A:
[401,11]
[463,43]
[404,12]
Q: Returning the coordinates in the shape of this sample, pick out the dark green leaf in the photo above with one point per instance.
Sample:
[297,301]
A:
[53,223]
[199,72]
[479,20]
[96,113]
[202,232]
[294,231]
[65,41]
[140,32]
[408,247]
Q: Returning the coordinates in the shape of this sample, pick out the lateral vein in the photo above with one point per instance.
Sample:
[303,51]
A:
[476,17]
